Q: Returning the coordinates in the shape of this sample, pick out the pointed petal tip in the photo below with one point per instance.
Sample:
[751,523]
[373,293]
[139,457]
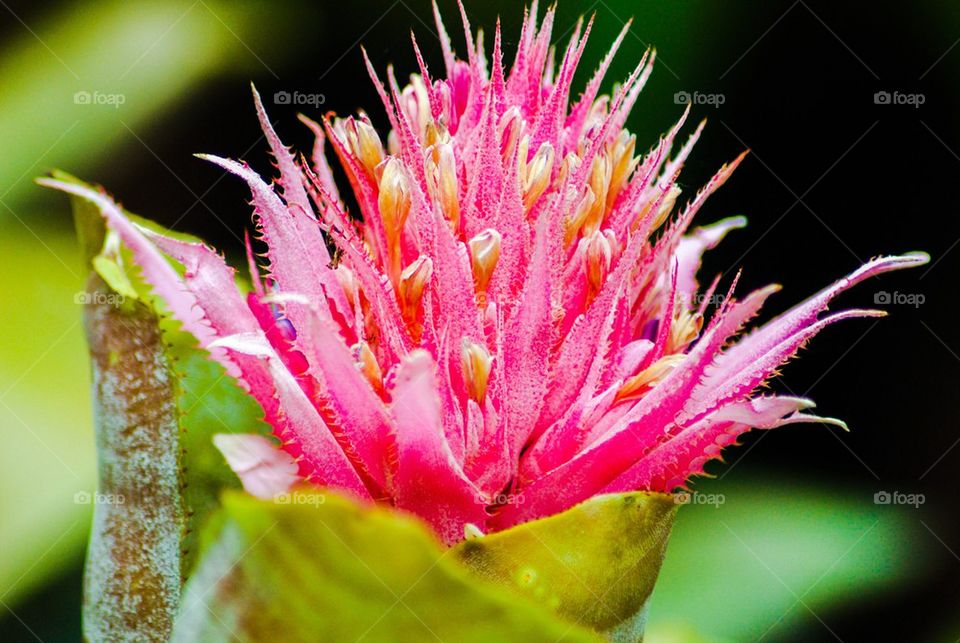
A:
[896,262]
[858,312]
[92,193]
[306,120]
[47,182]
[736,222]
[227,164]
[804,418]
[836,422]
[915,258]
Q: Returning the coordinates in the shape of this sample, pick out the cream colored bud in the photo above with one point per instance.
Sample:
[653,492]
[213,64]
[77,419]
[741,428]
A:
[441,174]
[476,364]
[571,163]
[394,199]
[624,163]
[685,328]
[484,254]
[413,280]
[639,384]
[367,363]
[666,207]
[538,174]
[364,143]
[598,254]
[599,183]
[579,217]
[510,127]
[431,134]
[394,205]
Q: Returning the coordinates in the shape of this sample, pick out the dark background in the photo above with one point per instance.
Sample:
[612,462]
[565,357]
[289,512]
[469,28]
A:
[833,179]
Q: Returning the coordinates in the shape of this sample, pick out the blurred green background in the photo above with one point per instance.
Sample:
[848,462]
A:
[122,93]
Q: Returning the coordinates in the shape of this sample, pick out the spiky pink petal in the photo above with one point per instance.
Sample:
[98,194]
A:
[428,481]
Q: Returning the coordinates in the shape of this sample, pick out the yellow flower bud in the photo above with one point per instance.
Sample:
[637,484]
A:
[476,364]
[599,251]
[364,143]
[367,362]
[441,174]
[484,254]
[536,175]
[646,379]
[413,280]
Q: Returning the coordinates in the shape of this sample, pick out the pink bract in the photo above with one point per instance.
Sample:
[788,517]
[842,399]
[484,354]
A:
[510,326]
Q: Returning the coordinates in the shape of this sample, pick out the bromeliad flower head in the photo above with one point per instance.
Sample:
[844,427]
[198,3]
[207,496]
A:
[511,321]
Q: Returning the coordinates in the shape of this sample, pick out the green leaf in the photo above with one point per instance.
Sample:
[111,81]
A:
[595,564]
[210,401]
[322,568]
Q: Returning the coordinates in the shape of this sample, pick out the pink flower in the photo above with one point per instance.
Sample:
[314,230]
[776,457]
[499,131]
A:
[515,325]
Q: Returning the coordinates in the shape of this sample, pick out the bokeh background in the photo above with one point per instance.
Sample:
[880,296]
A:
[794,545]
